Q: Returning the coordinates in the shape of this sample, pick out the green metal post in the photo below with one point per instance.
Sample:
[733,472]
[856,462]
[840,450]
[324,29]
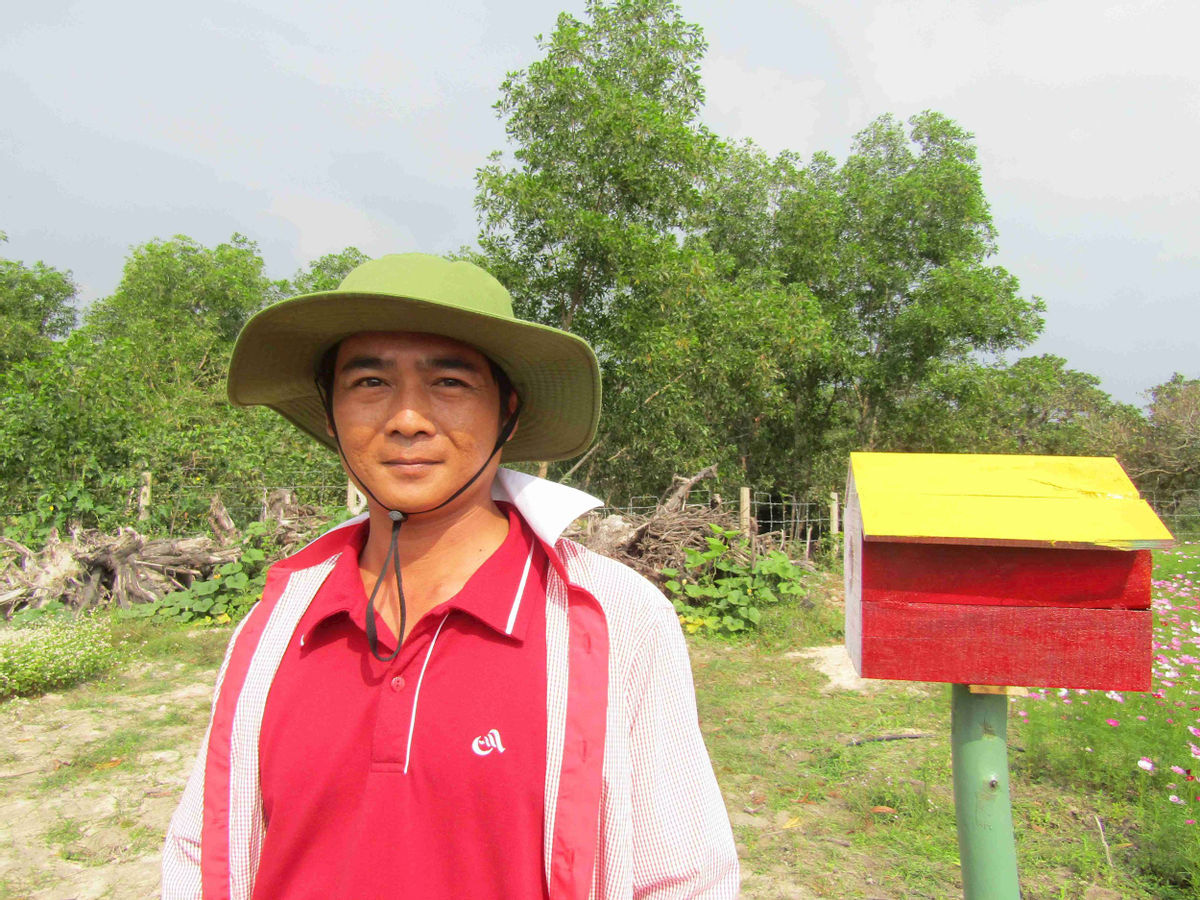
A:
[979,752]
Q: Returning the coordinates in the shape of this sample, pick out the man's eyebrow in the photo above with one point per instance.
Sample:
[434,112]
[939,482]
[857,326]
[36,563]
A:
[355,363]
[455,363]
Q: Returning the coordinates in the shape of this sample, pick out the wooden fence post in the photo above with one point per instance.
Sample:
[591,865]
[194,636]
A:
[355,501]
[744,511]
[833,512]
[144,497]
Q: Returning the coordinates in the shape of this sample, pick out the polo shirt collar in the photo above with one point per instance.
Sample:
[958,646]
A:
[493,594]
[547,506]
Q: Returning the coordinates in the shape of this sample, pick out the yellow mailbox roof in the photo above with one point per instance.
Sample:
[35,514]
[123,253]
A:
[1068,501]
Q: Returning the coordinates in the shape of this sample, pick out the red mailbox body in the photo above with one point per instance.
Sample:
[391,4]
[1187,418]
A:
[1000,570]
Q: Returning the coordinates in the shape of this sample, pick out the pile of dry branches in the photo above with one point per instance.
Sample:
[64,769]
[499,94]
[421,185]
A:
[91,568]
[657,541]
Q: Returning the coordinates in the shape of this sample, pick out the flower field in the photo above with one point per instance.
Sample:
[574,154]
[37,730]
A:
[1139,752]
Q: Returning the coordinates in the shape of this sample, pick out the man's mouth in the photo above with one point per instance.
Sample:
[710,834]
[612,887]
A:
[410,466]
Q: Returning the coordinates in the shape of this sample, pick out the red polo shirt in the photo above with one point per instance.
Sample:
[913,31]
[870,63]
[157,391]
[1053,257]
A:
[423,777]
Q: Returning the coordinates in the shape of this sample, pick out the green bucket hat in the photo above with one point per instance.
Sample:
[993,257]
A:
[555,373]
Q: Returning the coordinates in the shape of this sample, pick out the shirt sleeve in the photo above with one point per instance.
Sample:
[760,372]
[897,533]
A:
[682,841]
[181,873]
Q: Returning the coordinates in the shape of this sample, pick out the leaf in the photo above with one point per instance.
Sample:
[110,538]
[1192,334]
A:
[237,582]
[883,810]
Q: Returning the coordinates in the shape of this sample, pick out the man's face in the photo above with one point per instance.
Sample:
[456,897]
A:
[416,415]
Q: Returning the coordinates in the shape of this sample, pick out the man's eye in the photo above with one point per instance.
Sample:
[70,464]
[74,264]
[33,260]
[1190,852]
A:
[368,381]
[450,381]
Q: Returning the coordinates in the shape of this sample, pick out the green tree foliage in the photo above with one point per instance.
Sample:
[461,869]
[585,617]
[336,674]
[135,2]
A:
[1164,454]
[326,273]
[893,244]
[35,308]
[1035,405]
[608,160]
[762,312]
[141,387]
[707,373]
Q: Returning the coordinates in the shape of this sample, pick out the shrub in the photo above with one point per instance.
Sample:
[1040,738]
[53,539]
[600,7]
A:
[721,592]
[55,652]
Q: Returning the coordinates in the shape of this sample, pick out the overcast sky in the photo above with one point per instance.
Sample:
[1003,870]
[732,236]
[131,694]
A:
[310,129]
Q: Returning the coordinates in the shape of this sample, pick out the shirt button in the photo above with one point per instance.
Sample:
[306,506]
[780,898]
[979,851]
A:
[398,683]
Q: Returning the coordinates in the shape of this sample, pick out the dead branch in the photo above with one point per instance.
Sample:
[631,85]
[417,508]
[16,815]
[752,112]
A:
[677,498]
[858,742]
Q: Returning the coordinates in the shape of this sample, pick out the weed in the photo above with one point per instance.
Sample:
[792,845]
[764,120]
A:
[116,751]
[719,592]
[54,653]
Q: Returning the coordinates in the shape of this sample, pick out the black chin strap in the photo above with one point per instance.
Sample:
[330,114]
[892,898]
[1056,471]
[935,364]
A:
[399,518]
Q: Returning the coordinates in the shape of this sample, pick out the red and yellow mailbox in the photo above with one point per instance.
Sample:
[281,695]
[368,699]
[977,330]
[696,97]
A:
[999,570]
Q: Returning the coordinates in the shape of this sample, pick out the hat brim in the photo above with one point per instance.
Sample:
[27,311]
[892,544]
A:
[555,373]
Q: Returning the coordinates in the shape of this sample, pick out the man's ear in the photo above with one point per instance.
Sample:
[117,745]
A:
[514,403]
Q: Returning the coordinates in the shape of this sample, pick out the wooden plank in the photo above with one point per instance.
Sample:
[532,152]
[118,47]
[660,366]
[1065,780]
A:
[999,499]
[852,572]
[992,474]
[1120,524]
[1005,576]
[1099,649]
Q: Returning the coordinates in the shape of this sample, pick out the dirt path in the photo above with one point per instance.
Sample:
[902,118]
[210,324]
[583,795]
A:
[90,779]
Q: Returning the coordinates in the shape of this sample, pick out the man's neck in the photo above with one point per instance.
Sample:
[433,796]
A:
[439,552]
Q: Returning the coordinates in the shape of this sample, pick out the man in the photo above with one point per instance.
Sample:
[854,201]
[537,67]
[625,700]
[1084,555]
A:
[444,698]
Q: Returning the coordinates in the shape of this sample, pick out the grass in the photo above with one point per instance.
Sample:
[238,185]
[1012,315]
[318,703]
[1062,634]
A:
[818,803]
[877,818]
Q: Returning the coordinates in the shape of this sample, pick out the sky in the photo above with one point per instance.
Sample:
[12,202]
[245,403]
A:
[313,127]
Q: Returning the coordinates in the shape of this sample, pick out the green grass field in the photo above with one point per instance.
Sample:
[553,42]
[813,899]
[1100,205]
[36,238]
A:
[833,792]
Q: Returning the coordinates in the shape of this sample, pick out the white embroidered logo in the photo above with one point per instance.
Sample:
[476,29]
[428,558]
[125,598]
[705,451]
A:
[486,743]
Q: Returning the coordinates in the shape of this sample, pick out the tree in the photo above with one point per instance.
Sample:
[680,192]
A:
[178,286]
[608,160]
[894,246]
[1165,458]
[141,386]
[1035,405]
[35,308]
[707,374]
[326,273]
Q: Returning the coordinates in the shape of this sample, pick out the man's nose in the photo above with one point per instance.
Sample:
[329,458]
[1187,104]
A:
[410,414]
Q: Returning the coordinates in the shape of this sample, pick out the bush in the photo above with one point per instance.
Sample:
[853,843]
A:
[55,652]
[721,592]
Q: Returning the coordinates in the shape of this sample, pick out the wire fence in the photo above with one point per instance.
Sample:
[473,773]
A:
[183,510]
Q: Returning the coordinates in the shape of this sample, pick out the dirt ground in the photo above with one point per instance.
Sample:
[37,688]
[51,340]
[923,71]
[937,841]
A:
[90,779]
[91,776]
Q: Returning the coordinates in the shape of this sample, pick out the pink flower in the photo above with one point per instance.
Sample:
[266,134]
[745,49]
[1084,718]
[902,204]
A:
[1174,798]
[1146,763]
[1113,722]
